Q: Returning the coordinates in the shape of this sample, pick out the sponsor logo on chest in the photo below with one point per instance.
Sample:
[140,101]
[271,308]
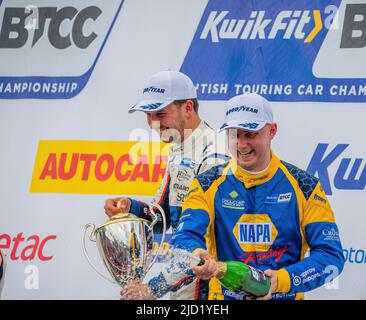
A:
[255,232]
[280,198]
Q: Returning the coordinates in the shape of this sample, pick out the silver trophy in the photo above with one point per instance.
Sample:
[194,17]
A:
[125,244]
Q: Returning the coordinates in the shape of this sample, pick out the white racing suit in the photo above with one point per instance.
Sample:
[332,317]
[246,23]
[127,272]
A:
[2,271]
[199,152]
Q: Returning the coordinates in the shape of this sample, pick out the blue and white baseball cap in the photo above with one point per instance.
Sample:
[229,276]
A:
[248,111]
[162,89]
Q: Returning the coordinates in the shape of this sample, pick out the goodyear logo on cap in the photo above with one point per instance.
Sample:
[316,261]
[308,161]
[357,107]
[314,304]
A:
[255,232]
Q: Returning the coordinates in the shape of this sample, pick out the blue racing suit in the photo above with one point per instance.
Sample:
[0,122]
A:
[269,220]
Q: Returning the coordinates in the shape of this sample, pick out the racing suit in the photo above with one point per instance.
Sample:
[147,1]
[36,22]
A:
[2,271]
[198,153]
[268,220]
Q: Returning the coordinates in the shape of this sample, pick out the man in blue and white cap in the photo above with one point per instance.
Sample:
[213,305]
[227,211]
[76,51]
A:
[250,115]
[259,210]
[169,101]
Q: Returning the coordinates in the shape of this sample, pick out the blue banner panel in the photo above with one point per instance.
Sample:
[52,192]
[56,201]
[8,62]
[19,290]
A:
[280,49]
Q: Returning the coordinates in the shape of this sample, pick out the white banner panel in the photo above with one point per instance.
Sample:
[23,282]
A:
[65,89]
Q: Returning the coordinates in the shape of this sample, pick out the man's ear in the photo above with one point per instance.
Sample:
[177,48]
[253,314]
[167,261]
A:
[273,130]
[189,108]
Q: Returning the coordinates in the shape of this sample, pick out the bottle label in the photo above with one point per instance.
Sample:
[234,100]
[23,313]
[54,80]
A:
[257,276]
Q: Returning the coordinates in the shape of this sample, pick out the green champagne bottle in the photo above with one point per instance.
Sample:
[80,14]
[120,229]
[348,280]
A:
[235,275]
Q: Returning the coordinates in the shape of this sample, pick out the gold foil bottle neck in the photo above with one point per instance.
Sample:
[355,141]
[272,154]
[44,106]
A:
[222,269]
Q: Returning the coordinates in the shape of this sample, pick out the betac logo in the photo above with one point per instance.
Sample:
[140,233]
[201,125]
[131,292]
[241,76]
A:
[320,162]
[259,46]
[35,38]
[26,249]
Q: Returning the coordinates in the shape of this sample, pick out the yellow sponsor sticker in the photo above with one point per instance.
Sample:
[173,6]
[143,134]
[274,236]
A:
[99,167]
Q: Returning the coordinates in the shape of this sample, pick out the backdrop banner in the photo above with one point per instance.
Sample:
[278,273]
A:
[70,70]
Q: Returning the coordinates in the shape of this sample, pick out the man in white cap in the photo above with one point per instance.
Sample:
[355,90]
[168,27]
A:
[169,101]
[261,211]
[2,271]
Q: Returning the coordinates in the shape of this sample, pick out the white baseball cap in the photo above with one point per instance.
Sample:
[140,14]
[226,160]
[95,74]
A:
[162,89]
[248,111]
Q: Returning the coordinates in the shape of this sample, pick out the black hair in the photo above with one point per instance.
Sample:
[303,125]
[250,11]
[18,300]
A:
[195,103]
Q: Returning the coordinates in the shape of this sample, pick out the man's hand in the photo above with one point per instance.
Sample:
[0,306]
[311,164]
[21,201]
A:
[117,205]
[273,277]
[137,291]
[209,269]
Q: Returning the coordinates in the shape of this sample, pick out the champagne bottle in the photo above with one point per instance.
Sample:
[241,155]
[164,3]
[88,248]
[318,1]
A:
[235,275]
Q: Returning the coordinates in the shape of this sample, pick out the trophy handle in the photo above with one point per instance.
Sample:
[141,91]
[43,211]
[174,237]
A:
[91,238]
[155,220]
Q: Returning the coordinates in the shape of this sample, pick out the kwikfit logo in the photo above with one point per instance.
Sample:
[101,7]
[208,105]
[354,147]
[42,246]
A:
[323,159]
[299,24]
[53,46]
[287,24]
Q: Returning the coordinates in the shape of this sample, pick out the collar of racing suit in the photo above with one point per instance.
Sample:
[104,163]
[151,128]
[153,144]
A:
[252,180]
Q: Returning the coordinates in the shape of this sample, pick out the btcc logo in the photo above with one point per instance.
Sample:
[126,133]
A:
[354,27]
[286,197]
[38,37]
[14,30]
[281,198]
[255,232]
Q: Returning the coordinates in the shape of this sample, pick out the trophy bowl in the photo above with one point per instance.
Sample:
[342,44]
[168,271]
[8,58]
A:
[125,245]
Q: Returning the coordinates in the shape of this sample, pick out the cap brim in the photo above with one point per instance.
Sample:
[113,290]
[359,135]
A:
[149,106]
[247,126]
